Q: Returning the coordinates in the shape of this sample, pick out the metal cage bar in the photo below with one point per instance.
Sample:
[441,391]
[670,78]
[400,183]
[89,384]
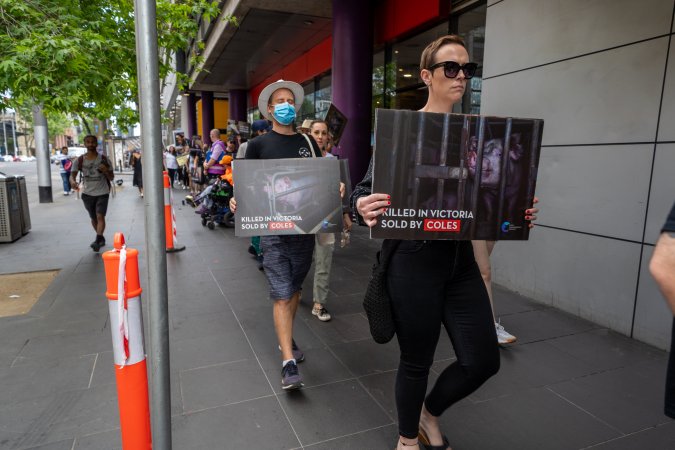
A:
[463,152]
[535,146]
[419,148]
[479,172]
[503,174]
[440,182]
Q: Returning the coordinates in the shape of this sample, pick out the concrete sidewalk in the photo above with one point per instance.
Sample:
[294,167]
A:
[566,384]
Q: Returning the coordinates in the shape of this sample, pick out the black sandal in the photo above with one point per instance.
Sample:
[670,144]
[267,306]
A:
[423,439]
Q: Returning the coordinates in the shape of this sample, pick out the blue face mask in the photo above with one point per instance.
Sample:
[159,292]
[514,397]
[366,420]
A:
[284,113]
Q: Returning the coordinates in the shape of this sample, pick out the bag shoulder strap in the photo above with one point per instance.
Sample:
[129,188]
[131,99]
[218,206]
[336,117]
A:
[311,147]
[105,161]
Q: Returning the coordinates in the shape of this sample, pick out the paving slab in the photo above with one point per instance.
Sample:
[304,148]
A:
[223,384]
[330,411]
[660,437]
[255,424]
[532,419]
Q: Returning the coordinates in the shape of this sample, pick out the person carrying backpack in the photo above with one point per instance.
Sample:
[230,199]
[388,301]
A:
[97,173]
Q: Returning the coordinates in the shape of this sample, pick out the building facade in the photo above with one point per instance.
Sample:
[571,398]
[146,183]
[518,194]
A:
[602,76]
[596,72]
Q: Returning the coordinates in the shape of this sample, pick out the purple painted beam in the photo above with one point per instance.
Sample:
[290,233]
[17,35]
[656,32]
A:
[238,104]
[208,122]
[352,72]
[192,115]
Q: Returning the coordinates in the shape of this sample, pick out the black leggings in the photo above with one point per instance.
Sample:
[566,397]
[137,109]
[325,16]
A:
[433,283]
[172,175]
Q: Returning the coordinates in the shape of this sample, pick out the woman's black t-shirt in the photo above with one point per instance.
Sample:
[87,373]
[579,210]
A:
[273,145]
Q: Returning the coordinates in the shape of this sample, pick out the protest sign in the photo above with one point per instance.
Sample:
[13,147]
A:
[427,163]
[336,123]
[287,196]
[347,180]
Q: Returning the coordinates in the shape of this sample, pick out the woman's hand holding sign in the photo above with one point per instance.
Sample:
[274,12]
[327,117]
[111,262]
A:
[530,214]
[233,205]
[371,206]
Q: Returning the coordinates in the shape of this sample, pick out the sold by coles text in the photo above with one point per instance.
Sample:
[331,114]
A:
[443,220]
[269,222]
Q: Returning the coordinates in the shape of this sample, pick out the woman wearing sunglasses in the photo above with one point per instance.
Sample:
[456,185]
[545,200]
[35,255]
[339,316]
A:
[434,283]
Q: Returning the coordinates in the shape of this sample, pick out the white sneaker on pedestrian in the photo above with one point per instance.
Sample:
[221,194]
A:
[503,336]
[321,313]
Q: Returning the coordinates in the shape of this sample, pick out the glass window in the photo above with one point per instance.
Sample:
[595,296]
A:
[322,98]
[379,80]
[405,59]
[253,114]
[307,110]
[471,26]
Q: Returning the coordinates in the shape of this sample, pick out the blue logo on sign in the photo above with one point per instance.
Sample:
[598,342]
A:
[505,227]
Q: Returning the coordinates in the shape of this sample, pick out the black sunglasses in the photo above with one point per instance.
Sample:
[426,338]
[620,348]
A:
[451,69]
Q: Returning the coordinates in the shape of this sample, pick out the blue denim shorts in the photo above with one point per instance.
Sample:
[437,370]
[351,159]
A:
[287,259]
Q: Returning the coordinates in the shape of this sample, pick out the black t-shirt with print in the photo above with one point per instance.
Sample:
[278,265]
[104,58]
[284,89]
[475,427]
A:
[273,145]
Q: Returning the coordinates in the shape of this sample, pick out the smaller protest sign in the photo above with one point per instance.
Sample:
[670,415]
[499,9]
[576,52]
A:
[336,123]
[244,129]
[287,196]
[182,160]
[347,180]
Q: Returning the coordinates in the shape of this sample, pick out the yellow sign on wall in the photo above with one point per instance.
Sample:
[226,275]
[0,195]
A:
[221,114]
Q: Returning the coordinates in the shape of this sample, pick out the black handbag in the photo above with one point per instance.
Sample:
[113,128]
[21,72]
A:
[376,301]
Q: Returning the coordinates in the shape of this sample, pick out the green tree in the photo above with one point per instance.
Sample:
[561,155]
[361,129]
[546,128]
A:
[79,56]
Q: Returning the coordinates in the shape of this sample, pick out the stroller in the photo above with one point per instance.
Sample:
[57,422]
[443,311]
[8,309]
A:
[214,204]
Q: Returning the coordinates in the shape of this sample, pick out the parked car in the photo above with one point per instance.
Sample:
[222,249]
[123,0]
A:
[8,158]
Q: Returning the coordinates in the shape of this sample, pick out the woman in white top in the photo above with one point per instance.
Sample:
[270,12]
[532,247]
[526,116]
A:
[170,163]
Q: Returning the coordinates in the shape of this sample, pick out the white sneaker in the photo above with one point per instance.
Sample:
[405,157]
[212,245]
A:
[503,336]
[321,313]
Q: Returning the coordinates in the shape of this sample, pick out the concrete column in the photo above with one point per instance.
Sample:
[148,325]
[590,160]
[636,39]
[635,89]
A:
[352,72]
[207,116]
[192,114]
[238,104]
[42,155]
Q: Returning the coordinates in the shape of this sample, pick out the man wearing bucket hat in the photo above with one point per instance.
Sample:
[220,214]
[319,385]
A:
[287,257]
